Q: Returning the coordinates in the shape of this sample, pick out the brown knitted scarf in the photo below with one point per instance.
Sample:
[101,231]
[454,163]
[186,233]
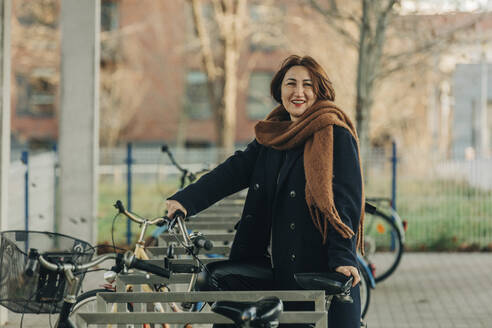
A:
[314,129]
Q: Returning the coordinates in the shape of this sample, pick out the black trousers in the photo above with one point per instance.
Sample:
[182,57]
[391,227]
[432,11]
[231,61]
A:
[257,274]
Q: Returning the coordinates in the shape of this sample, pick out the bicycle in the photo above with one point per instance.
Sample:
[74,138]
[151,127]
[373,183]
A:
[384,239]
[47,279]
[193,243]
[367,279]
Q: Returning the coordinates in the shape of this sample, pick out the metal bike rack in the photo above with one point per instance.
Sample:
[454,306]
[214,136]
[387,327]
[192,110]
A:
[318,316]
[218,223]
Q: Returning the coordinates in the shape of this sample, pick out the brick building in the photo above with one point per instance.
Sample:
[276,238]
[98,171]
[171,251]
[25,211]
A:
[153,88]
[154,39]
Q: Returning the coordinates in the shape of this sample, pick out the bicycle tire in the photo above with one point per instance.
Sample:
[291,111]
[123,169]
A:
[86,298]
[386,249]
[365,293]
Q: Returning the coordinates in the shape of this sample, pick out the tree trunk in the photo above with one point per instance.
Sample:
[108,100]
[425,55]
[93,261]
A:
[227,133]
[371,41]
[362,107]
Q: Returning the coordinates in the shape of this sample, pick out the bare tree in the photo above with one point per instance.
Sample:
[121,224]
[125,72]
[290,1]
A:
[365,26]
[221,64]
[123,84]
[134,81]
[122,91]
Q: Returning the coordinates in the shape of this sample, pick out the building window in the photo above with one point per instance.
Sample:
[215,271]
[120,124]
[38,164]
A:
[197,105]
[36,93]
[109,15]
[260,103]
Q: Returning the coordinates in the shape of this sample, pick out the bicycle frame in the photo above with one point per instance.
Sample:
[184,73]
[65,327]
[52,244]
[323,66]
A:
[140,252]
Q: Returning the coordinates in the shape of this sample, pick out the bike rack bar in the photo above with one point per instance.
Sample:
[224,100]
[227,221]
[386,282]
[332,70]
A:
[318,316]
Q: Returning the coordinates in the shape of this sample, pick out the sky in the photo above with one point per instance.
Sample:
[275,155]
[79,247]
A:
[439,6]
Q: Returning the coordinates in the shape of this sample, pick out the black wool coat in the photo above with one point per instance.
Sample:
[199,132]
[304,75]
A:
[275,208]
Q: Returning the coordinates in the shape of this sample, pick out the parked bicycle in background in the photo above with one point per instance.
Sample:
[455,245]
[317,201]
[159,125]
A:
[384,238]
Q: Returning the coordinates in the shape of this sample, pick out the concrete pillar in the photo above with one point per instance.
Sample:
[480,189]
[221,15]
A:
[79,118]
[5,9]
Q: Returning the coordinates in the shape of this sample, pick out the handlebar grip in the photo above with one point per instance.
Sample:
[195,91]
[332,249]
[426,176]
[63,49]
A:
[179,213]
[202,242]
[119,206]
[32,262]
[148,267]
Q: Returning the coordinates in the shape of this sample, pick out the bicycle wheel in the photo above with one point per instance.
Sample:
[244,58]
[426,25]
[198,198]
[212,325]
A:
[365,293]
[383,244]
[87,302]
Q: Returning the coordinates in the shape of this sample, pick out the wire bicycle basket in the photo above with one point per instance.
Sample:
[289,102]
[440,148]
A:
[45,290]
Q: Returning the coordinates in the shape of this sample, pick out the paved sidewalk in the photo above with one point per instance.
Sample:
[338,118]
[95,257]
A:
[427,290]
[435,290]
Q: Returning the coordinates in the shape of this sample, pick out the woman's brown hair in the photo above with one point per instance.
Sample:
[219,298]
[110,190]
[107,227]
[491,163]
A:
[323,88]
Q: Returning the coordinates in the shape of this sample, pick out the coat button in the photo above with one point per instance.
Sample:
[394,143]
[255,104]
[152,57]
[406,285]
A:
[256,187]
[292,194]
[293,257]
[248,217]
[292,226]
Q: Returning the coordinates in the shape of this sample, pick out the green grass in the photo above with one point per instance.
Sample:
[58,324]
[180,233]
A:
[445,215]
[148,200]
[441,215]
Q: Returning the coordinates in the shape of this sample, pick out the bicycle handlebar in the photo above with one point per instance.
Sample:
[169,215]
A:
[201,242]
[122,210]
[184,172]
[68,266]
[165,149]
[128,258]
[132,262]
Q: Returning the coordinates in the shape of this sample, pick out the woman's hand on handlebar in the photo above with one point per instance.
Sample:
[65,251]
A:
[172,206]
[349,271]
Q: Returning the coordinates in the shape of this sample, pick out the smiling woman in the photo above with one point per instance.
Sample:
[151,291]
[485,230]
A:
[303,211]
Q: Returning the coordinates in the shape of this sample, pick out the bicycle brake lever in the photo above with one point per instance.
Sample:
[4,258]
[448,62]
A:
[171,223]
[165,220]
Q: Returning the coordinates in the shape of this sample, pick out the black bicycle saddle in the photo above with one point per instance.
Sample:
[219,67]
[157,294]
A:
[263,313]
[333,283]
